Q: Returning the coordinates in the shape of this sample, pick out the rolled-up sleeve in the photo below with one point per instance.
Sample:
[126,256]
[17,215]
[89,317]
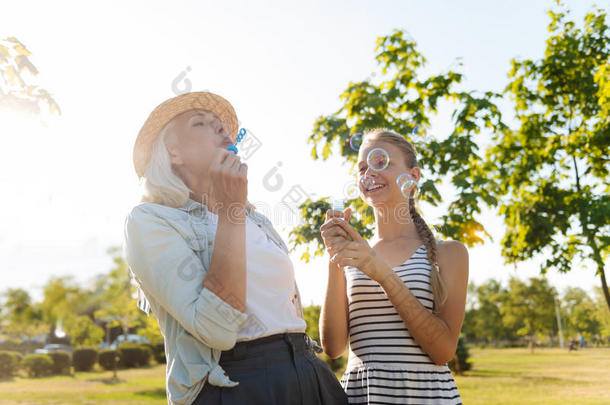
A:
[172,274]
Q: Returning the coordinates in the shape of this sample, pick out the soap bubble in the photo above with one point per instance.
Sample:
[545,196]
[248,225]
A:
[367,181]
[406,189]
[423,132]
[355,141]
[378,159]
[402,179]
[350,190]
[406,184]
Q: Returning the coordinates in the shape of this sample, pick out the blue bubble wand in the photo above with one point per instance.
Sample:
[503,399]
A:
[240,136]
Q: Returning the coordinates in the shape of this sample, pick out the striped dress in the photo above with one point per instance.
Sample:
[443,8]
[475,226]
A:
[385,365]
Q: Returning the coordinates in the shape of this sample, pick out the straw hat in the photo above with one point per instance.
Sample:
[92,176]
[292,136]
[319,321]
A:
[172,107]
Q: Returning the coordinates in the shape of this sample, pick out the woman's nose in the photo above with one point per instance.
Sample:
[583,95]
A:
[370,173]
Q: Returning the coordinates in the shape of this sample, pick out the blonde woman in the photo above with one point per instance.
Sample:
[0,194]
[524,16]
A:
[214,271]
[400,303]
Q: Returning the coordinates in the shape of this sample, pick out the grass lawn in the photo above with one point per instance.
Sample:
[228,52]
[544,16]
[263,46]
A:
[134,386]
[548,376]
[499,376]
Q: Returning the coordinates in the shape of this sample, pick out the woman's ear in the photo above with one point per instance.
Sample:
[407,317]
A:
[174,155]
[173,149]
[416,174]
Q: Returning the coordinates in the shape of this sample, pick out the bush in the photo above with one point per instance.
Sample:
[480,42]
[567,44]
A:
[38,365]
[10,362]
[84,359]
[459,363]
[134,355]
[61,361]
[158,351]
[106,359]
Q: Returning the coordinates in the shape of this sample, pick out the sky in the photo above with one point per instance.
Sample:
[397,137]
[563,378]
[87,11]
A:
[68,181]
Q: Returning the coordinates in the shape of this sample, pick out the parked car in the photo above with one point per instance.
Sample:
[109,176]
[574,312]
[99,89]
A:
[132,338]
[53,348]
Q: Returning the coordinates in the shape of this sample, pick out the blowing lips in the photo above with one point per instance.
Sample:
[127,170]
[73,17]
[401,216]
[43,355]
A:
[227,142]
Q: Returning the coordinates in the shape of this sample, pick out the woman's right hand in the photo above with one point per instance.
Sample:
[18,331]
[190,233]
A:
[334,236]
[229,180]
[334,312]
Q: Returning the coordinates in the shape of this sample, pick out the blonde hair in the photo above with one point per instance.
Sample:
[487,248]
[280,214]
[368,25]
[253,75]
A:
[159,183]
[439,290]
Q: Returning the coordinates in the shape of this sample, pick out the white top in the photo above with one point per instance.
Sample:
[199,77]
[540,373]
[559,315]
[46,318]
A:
[271,298]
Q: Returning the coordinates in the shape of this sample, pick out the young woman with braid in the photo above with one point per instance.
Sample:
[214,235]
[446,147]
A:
[400,303]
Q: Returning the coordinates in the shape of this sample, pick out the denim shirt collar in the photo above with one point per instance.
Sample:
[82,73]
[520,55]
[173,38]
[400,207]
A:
[194,207]
[199,209]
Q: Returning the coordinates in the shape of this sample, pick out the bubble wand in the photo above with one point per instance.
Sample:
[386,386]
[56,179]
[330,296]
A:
[240,136]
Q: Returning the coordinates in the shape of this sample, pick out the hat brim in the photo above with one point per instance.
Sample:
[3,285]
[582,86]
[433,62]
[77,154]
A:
[173,107]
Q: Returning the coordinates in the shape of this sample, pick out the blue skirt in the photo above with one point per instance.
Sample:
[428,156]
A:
[280,369]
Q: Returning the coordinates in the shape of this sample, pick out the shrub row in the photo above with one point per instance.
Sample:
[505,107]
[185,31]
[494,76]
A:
[128,355]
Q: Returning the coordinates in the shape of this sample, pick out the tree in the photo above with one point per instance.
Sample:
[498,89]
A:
[83,331]
[401,102]
[62,300]
[119,307]
[21,318]
[554,163]
[311,314]
[580,313]
[16,93]
[547,175]
[602,314]
[529,308]
[151,330]
[485,318]
[469,330]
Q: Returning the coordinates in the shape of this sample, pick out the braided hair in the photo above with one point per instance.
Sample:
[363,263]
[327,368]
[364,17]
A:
[439,290]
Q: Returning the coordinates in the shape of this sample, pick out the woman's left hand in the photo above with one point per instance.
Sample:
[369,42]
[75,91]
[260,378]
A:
[358,253]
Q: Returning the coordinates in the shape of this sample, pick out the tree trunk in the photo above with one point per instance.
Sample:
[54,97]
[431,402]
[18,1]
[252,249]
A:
[602,275]
[591,239]
[532,340]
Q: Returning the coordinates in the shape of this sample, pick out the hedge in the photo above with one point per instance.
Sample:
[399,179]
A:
[61,361]
[134,355]
[38,365]
[84,359]
[106,358]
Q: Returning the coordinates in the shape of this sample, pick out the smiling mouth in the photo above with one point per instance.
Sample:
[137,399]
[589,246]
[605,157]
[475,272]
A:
[375,188]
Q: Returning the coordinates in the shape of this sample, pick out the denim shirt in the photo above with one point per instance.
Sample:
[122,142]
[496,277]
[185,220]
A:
[169,251]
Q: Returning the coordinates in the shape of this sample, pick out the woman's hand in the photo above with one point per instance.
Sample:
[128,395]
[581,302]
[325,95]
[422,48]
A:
[229,181]
[357,252]
[334,236]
